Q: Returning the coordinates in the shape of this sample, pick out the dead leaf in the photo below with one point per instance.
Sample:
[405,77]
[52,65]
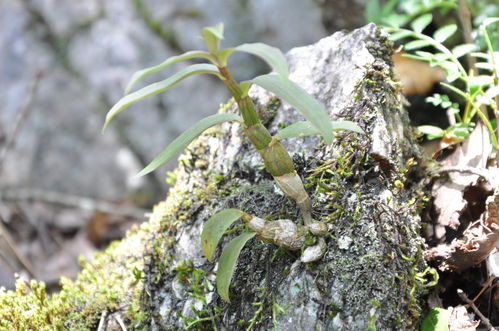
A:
[417,77]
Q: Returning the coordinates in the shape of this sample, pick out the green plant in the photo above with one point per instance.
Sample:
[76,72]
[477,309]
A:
[478,92]
[276,159]
[478,86]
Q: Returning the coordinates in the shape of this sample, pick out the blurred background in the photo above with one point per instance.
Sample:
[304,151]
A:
[66,189]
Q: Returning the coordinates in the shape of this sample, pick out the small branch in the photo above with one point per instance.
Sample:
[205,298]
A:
[101,326]
[120,322]
[21,116]
[72,201]
[484,319]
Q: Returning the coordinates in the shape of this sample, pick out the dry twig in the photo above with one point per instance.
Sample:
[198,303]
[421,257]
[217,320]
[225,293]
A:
[484,319]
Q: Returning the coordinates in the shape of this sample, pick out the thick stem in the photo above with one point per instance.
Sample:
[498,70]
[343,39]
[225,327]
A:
[275,157]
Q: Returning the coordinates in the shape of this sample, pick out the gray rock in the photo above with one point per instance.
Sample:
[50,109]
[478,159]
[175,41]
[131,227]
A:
[366,277]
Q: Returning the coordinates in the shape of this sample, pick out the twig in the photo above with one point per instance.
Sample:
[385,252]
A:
[4,233]
[72,201]
[21,116]
[484,319]
[120,322]
[102,321]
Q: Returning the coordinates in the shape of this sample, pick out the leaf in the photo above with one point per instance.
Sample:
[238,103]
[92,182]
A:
[431,131]
[444,32]
[141,74]
[212,36]
[181,142]
[305,128]
[297,97]
[400,34]
[158,87]
[273,56]
[228,261]
[484,66]
[215,227]
[420,23]
[425,55]
[463,49]
[490,20]
[451,70]
[416,44]
[436,320]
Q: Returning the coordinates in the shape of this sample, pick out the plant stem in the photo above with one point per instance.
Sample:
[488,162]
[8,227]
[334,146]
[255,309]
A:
[275,157]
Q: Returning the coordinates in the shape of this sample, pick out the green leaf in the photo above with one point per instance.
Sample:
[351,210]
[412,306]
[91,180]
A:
[416,44]
[273,56]
[463,49]
[141,74]
[484,66]
[490,20]
[436,320]
[444,32]
[426,55]
[228,261]
[158,87]
[212,36]
[181,142]
[420,23]
[400,34]
[431,131]
[451,70]
[297,97]
[305,128]
[215,227]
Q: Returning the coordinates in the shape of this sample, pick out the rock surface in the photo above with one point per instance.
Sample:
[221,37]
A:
[359,186]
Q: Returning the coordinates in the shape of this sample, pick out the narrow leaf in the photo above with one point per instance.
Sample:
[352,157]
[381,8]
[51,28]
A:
[420,23]
[305,128]
[444,32]
[212,36]
[141,74]
[181,142]
[297,97]
[464,49]
[273,56]
[215,227]
[416,44]
[228,261]
[158,87]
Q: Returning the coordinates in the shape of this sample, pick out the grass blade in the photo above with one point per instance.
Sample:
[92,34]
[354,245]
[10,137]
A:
[158,87]
[297,97]
[273,56]
[305,128]
[141,74]
[215,227]
[228,261]
[181,142]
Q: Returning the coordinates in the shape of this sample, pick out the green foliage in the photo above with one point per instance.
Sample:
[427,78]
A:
[297,97]
[215,227]
[436,320]
[276,159]
[228,261]
[477,89]
[30,308]
[181,142]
